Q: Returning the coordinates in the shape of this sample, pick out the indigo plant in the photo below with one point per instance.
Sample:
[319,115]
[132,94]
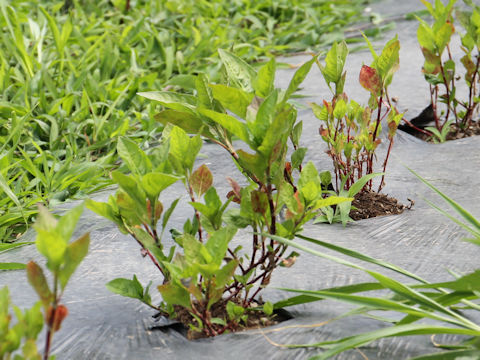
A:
[350,130]
[440,69]
[212,282]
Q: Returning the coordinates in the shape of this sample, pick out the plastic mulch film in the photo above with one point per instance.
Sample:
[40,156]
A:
[102,325]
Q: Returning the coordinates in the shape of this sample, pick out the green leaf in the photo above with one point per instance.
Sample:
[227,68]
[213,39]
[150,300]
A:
[172,100]
[268,308]
[67,223]
[298,78]
[401,330]
[360,183]
[239,72]
[131,187]
[334,64]
[75,253]
[37,280]
[125,287]
[155,182]
[175,294]
[265,116]
[204,93]
[103,209]
[12,266]
[231,124]
[131,154]
[9,246]
[264,81]
[184,148]
[217,244]
[460,210]
[190,123]
[451,355]
[233,99]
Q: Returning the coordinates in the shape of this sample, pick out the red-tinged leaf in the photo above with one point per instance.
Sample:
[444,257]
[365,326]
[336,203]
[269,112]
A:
[370,79]
[55,318]
[201,180]
[259,202]
[37,279]
[235,187]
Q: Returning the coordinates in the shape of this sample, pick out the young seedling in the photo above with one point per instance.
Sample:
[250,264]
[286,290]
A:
[63,259]
[350,130]
[440,68]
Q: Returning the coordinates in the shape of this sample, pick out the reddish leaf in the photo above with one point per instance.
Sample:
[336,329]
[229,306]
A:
[236,188]
[259,202]
[37,279]
[201,180]
[370,79]
[55,318]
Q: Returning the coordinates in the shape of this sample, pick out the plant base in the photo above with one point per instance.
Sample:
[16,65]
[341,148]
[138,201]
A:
[455,133]
[370,204]
[255,319]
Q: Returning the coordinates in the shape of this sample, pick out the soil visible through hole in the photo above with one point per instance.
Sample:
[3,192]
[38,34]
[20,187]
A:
[455,133]
[255,319]
[368,204]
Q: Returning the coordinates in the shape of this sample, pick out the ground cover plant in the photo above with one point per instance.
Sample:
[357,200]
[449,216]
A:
[452,305]
[19,340]
[458,118]
[69,72]
[213,286]
[351,131]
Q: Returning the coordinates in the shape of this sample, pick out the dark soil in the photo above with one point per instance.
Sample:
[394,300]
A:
[256,319]
[368,204]
[455,133]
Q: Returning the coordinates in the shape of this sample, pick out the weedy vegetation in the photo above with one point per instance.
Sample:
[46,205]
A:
[70,71]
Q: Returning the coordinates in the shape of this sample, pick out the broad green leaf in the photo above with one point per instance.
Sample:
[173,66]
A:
[298,78]
[102,209]
[239,72]
[204,92]
[264,81]
[175,294]
[125,287]
[131,154]
[172,100]
[190,123]
[253,164]
[360,183]
[334,64]
[155,182]
[75,253]
[217,244]
[265,116]
[233,99]
[131,187]
[67,223]
[231,124]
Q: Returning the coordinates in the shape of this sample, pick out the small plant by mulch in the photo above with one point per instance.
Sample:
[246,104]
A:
[368,204]
[456,132]
[184,323]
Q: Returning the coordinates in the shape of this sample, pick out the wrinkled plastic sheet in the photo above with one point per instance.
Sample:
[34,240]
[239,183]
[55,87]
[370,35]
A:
[102,325]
